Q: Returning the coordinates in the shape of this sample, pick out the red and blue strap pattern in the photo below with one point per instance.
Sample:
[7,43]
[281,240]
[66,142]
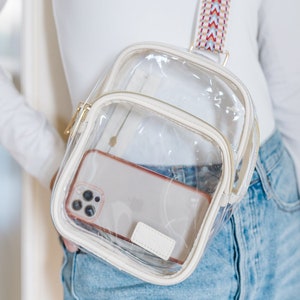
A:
[212,23]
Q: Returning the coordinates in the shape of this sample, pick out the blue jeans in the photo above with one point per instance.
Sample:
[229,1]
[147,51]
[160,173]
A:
[256,255]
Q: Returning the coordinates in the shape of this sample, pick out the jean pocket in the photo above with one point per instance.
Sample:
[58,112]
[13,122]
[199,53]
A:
[95,279]
[283,183]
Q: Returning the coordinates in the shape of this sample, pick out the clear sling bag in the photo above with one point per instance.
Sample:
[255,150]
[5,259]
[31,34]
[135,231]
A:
[158,157]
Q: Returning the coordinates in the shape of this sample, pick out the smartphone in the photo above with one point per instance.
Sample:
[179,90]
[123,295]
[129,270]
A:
[113,195]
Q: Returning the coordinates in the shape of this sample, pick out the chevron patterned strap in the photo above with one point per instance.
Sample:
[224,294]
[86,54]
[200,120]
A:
[212,23]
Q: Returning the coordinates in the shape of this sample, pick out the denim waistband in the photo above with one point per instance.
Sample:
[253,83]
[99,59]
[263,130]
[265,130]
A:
[269,153]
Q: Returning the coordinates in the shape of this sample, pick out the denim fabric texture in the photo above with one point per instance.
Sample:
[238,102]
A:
[256,254]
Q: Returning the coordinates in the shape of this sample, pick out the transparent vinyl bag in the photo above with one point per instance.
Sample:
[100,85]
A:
[158,156]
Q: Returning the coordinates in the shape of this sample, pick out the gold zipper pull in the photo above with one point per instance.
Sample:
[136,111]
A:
[83,108]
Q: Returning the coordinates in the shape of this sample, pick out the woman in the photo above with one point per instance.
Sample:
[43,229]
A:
[256,255]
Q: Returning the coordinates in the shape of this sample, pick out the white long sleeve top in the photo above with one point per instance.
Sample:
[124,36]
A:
[261,39]
[27,134]
[93,34]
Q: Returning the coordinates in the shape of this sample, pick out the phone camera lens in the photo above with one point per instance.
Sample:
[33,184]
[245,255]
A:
[97,199]
[88,195]
[90,210]
[77,205]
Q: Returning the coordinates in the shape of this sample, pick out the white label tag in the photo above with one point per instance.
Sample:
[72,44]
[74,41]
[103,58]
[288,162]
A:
[153,240]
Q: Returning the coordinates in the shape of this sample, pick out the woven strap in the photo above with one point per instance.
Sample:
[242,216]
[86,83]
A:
[211,27]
